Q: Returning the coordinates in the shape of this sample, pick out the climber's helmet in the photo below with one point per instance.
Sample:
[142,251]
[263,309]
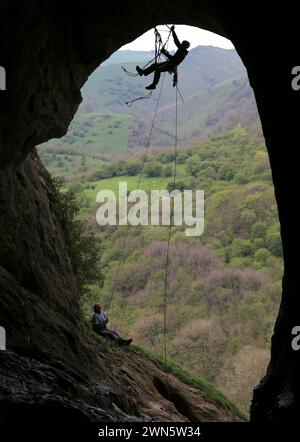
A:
[185,44]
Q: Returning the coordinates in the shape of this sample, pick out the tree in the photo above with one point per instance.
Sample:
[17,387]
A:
[132,277]
[258,230]
[167,157]
[153,169]
[226,173]
[261,256]
[83,247]
[203,342]
[182,157]
[132,168]
[167,171]
[180,185]
[242,247]
[273,240]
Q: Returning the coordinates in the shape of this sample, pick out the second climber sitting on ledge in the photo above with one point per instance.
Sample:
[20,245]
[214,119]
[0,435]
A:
[99,321]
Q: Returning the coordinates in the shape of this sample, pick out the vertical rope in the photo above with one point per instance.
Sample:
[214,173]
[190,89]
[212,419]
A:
[157,55]
[137,188]
[169,235]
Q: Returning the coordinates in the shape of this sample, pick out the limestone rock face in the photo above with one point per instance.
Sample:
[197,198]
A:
[48,50]
[122,386]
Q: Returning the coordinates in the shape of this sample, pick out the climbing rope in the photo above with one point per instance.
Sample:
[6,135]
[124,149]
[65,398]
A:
[157,55]
[144,97]
[178,90]
[159,46]
[169,234]
[137,188]
[157,52]
[170,225]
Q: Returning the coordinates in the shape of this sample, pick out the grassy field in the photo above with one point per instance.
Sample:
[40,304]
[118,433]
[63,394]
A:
[93,134]
[108,132]
[92,189]
[89,191]
[71,167]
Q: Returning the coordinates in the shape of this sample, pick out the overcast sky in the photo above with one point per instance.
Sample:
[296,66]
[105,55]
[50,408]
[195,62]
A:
[194,35]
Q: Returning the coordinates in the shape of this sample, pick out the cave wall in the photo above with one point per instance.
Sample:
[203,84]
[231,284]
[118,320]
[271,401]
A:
[39,298]
[48,50]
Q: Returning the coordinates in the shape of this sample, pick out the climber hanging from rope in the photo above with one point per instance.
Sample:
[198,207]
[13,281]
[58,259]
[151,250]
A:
[167,66]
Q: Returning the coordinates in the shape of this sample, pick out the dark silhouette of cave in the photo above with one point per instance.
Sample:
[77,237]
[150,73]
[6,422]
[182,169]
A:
[48,50]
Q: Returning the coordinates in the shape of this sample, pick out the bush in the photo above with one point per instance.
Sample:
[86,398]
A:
[179,186]
[182,157]
[226,288]
[262,255]
[210,172]
[203,341]
[193,165]
[241,178]
[226,173]
[167,157]
[131,277]
[273,243]
[242,247]
[153,169]
[259,243]
[241,262]
[102,174]
[258,230]
[83,247]
[167,171]
[132,168]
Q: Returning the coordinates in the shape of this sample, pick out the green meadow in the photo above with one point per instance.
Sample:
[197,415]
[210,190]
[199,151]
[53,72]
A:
[92,188]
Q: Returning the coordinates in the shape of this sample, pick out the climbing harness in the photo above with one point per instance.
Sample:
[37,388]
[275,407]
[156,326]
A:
[159,47]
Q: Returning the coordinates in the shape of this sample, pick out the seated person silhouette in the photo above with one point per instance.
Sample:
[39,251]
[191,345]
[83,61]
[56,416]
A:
[99,321]
[167,66]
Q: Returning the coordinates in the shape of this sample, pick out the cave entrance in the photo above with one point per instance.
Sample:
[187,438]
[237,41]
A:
[225,285]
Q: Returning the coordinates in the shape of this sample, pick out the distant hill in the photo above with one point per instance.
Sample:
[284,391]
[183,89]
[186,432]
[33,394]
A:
[127,56]
[109,87]
[212,81]
[212,111]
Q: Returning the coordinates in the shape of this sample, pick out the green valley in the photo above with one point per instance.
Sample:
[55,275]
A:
[223,286]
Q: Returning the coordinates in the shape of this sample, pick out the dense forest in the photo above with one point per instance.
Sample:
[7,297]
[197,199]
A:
[224,286]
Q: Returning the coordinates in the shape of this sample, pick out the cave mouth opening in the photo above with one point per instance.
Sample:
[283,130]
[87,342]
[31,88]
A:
[232,275]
